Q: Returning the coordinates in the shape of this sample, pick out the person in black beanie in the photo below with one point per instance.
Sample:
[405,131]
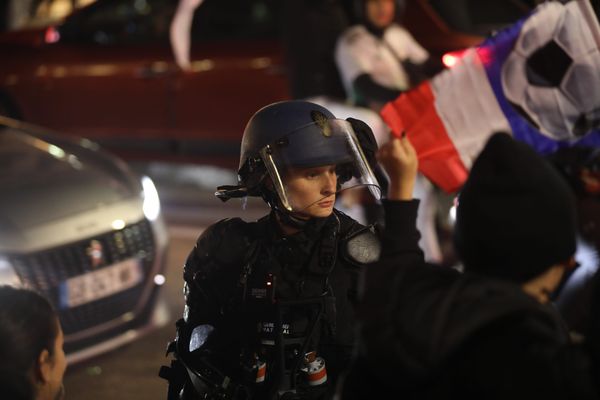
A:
[429,332]
[516,216]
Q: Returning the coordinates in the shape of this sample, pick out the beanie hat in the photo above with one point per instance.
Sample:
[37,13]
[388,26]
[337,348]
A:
[516,214]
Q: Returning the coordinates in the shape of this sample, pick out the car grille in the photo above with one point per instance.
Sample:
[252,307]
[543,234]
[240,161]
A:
[44,271]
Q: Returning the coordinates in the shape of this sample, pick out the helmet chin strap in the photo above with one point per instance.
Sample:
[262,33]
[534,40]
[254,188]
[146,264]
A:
[284,216]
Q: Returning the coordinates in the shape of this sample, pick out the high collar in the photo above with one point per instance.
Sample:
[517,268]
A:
[310,232]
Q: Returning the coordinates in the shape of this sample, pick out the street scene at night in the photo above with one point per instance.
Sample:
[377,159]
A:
[299,199]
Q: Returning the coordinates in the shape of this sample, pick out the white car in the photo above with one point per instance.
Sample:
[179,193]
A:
[78,226]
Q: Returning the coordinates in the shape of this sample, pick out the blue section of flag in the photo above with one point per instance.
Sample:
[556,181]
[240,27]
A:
[493,53]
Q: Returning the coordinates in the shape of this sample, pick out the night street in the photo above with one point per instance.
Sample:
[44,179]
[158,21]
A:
[372,199]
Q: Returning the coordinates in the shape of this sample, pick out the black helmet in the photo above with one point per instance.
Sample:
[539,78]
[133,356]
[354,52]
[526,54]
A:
[276,122]
[295,134]
[272,123]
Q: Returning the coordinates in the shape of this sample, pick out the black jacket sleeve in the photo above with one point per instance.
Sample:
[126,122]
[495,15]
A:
[401,236]
[400,254]
[400,248]
[371,92]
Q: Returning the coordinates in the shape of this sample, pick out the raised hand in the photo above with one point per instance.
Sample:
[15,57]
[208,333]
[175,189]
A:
[399,159]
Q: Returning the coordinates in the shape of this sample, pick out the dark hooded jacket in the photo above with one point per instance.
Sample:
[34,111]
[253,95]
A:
[430,332]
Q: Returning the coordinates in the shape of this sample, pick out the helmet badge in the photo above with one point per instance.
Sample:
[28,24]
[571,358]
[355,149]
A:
[322,121]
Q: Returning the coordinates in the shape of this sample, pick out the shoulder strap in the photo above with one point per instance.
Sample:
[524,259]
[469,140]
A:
[359,244]
[363,247]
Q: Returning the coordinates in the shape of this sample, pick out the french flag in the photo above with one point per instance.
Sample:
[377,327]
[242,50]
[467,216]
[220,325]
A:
[538,80]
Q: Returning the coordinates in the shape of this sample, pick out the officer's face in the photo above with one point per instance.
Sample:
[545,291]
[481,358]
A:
[380,12]
[311,191]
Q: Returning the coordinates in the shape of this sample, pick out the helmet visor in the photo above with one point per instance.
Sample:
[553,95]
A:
[310,165]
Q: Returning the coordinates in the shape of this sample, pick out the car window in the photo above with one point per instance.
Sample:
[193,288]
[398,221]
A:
[480,17]
[121,22]
[236,19]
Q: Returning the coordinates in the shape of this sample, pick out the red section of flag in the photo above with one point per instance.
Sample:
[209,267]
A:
[415,113]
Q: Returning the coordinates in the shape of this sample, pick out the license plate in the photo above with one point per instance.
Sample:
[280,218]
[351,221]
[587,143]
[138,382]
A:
[101,283]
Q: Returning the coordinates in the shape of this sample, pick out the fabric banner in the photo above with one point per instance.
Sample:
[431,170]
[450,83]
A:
[538,80]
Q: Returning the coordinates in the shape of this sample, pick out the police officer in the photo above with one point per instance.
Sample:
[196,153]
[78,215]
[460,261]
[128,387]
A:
[270,304]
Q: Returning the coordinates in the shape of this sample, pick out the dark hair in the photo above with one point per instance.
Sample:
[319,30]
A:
[28,325]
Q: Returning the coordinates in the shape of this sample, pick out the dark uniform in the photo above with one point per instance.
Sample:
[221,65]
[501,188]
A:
[270,315]
[227,275]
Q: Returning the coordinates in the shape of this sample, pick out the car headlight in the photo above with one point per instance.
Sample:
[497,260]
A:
[8,275]
[151,204]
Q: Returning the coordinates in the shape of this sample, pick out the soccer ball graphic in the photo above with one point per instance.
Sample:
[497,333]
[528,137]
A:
[552,76]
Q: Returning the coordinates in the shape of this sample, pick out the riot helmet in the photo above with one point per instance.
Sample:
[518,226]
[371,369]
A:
[287,136]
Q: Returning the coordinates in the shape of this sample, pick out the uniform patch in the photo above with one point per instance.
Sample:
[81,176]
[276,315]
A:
[322,121]
[364,248]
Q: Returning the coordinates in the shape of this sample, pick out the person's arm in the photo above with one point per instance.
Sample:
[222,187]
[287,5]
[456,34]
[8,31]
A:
[399,160]
[180,31]
[354,58]
[212,270]
[418,61]
[400,241]
[372,93]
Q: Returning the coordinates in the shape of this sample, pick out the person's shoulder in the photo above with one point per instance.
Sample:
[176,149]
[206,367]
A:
[226,240]
[397,32]
[221,250]
[348,225]
[360,243]
[354,35]
[228,226]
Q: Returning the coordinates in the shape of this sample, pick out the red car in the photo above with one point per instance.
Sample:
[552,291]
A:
[108,73]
